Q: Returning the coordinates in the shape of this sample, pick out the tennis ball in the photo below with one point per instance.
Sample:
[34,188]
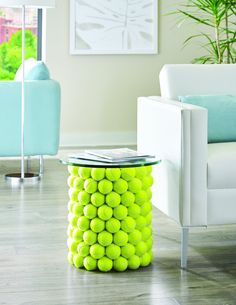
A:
[128,250]
[120,264]
[83,197]
[78,183]
[149,193]
[120,238]
[141,197]
[69,231]
[90,211]
[78,261]
[105,212]
[90,237]
[84,172]
[113,199]
[128,173]
[149,169]
[146,208]
[135,185]
[83,223]
[128,224]
[120,186]
[83,249]
[90,185]
[70,181]
[140,248]
[113,251]
[149,219]
[105,186]
[145,260]
[113,225]
[105,264]
[97,199]
[90,263]
[70,257]
[105,238]
[146,233]
[73,170]
[140,222]
[73,219]
[147,182]
[97,225]
[134,262]
[134,210]
[73,194]
[149,243]
[77,234]
[97,251]
[127,198]
[73,245]
[140,172]
[78,209]
[120,212]
[70,205]
[98,173]
[135,237]
[113,174]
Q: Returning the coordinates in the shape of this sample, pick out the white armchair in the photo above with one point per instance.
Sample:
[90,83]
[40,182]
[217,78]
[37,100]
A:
[195,184]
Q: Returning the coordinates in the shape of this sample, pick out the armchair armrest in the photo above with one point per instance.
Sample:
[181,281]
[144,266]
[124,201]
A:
[177,134]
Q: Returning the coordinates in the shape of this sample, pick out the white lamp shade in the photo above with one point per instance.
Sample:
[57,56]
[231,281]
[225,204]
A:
[28,3]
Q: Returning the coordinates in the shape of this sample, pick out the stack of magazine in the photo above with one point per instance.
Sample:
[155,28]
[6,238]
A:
[110,155]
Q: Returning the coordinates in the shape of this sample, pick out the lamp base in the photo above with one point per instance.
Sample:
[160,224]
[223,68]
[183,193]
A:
[16,179]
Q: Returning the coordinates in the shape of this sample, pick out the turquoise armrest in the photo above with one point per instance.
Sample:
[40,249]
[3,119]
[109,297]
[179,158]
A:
[42,118]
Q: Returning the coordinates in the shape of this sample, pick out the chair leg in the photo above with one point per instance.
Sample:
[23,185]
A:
[184,247]
[41,165]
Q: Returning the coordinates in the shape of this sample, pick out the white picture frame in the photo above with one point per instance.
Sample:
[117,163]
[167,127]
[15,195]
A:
[113,27]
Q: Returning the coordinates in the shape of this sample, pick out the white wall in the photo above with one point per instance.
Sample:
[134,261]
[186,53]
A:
[99,93]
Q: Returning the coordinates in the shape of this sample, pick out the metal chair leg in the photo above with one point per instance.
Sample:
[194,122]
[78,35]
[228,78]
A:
[184,247]
[41,166]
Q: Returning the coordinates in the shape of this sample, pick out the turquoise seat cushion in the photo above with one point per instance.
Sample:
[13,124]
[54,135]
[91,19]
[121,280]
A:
[221,115]
[38,72]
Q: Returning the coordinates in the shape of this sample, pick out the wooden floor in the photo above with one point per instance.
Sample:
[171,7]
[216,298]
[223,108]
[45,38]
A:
[34,268]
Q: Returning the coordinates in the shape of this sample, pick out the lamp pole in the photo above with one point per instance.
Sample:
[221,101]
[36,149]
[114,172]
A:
[23,97]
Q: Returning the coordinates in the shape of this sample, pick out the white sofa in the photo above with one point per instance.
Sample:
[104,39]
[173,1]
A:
[195,184]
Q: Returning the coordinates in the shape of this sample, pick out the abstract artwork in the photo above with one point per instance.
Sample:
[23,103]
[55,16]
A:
[113,26]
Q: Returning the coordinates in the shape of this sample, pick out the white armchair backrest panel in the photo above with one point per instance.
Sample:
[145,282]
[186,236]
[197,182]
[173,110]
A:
[190,79]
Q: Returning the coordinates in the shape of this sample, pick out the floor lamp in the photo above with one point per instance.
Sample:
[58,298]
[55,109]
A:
[23,177]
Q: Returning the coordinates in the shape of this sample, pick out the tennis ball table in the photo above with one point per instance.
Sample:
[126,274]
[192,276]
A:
[110,214]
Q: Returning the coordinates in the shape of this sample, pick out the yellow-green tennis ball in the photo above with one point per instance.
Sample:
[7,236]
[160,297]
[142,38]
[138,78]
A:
[73,246]
[127,198]
[78,183]
[120,186]
[83,223]
[128,224]
[113,225]
[120,238]
[70,205]
[70,181]
[145,260]
[90,263]
[149,193]
[105,186]
[97,199]
[141,248]
[69,231]
[113,251]
[135,185]
[146,233]
[105,212]
[135,237]
[90,185]
[120,212]
[85,172]
[140,172]
[134,210]
[73,194]
[149,219]
[120,264]
[73,219]
[105,264]
[70,257]
[141,197]
[146,208]
[77,234]
[83,249]
[105,238]
[90,237]
[90,211]
[149,169]
[128,250]
[73,170]
[113,174]
[128,173]
[134,262]
[149,243]
[78,261]
[147,182]
[113,199]
[84,197]
[78,209]
[97,225]
[98,173]
[140,222]
[97,251]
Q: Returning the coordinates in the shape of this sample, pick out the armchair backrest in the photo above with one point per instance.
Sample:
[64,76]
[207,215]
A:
[190,79]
